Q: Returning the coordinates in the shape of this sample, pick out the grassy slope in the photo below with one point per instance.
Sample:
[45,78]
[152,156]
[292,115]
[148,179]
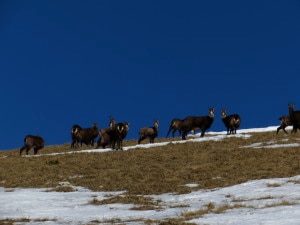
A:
[155,170]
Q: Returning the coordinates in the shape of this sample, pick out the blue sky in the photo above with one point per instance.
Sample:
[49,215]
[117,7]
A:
[67,62]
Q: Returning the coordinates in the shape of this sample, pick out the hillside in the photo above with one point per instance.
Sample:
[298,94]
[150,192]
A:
[215,161]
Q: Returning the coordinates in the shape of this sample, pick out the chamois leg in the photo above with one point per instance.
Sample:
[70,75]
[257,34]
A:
[173,133]
[104,146]
[294,131]
[169,132]
[202,133]
[119,145]
[183,135]
[283,128]
[278,129]
[151,140]
[178,132]
[74,144]
[35,150]
[116,145]
[142,137]
[113,145]
[98,143]
[21,150]
[92,143]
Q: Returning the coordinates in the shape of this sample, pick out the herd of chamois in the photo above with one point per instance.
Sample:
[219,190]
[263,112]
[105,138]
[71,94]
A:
[114,134]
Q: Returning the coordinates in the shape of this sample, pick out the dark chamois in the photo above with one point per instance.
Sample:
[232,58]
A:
[176,125]
[285,121]
[294,117]
[202,123]
[106,135]
[120,132]
[31,141]
[231,122]
[149,132]
[74,130]
[84,135]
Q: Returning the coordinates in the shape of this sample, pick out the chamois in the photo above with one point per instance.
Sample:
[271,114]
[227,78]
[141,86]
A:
[231,122]
[197,122]
[31,141]
[294,117]
[120,132]
[74,130]
[149,132]
[285,121]
[106,135]
[84,135]
[176,125]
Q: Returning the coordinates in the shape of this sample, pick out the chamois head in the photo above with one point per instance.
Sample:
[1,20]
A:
[223,113]
[211,112]
[291,106]
[112,123]
[126,124]
[156,123]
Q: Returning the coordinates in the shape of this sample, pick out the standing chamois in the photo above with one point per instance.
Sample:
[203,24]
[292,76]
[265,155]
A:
[176,125]
[285,121]
[84,135]
[106,135]
[31,141]
[113,135]
[74,130]
[294,117]
[149,132]
[120,132]
[202,123]
[232,122]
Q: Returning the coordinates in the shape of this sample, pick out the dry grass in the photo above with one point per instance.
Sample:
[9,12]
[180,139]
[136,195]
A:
[282,203]
[273,185]
[155,170]
[24,220]
[140,202]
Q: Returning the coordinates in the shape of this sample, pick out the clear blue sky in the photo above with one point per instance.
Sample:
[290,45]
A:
[67,62]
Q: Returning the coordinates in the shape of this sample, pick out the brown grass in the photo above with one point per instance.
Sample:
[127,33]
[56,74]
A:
[155,170]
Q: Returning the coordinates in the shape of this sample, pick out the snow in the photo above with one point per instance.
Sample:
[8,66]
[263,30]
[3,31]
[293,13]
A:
[267,201]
